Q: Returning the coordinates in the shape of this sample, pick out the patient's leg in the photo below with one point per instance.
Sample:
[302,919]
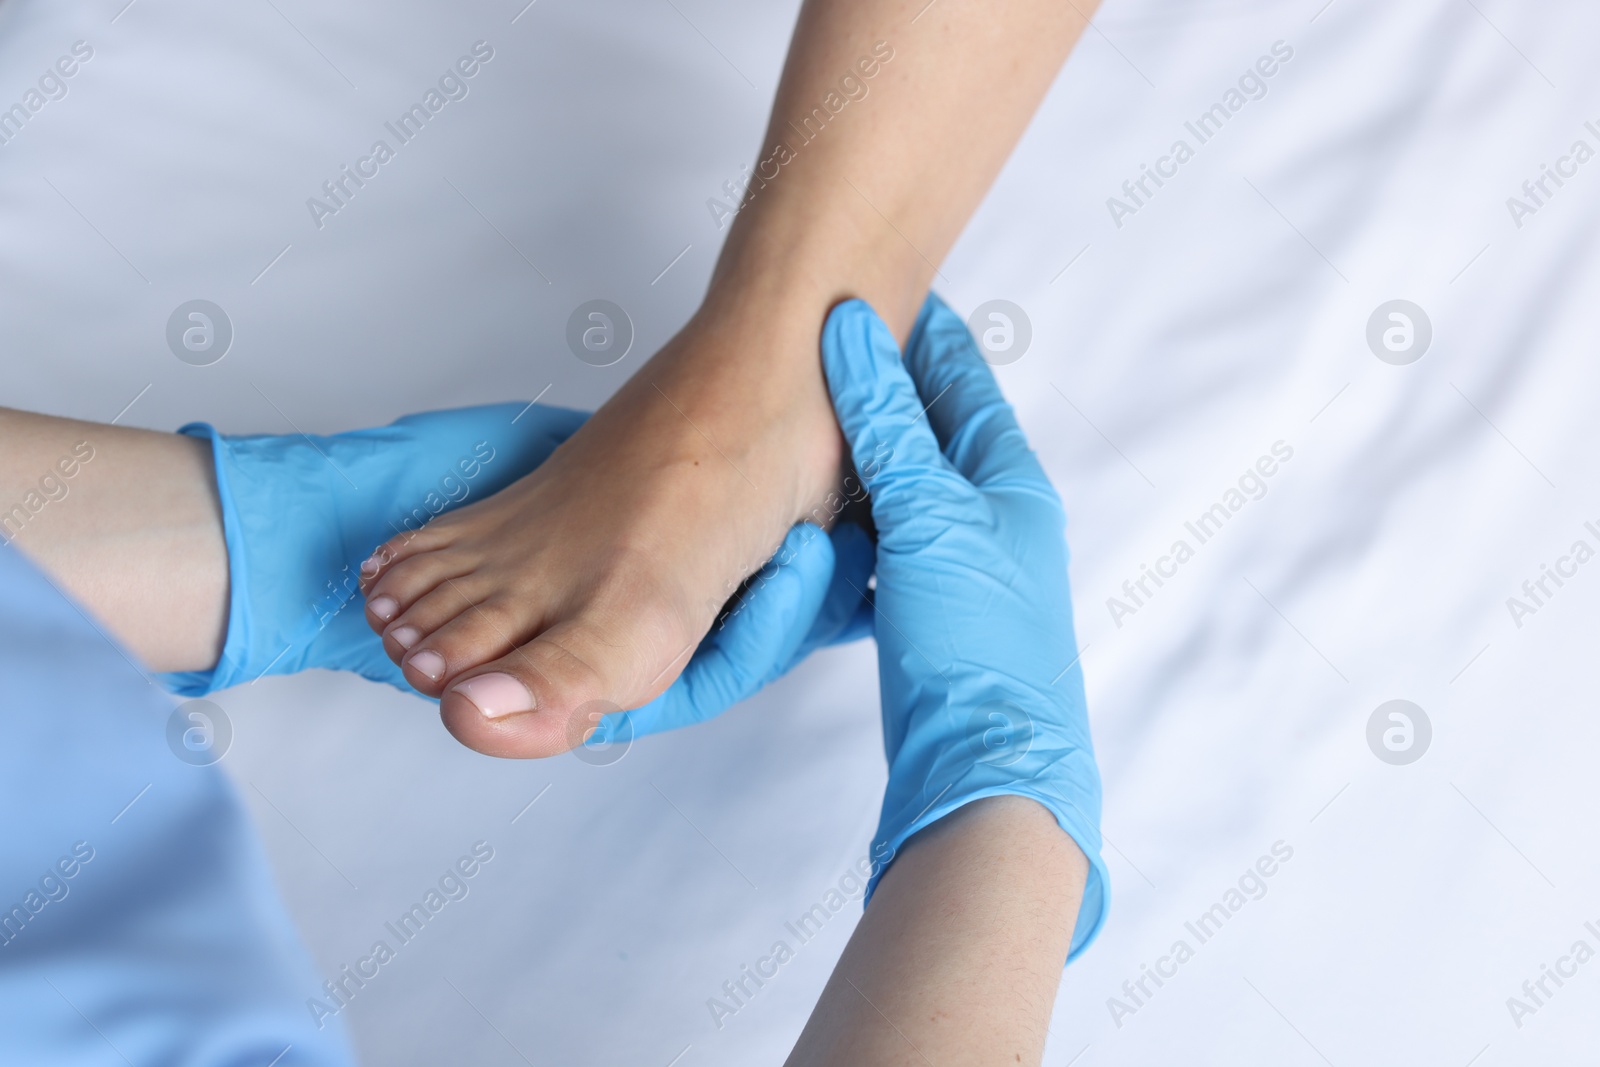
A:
[587,585]
[127,521]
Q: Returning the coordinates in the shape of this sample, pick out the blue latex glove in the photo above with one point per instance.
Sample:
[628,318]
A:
[300,513]
[977,663]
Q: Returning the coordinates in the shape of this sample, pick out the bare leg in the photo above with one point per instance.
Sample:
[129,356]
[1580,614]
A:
[586,586]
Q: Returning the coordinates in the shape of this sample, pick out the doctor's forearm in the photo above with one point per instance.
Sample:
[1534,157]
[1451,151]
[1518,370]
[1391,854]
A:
[959,955]
[892,119]
[126,521]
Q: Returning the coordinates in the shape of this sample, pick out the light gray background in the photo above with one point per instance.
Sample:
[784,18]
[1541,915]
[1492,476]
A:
[1226,315]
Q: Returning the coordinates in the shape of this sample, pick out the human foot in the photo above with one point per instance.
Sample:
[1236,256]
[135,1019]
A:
[584,588]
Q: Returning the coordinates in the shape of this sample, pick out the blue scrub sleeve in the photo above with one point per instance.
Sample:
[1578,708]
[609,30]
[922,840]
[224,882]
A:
[138,918]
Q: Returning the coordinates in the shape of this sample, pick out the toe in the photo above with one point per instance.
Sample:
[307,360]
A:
[435,609]
[543,698]
[477,633]
[404,583]
[426,669]
[403,546]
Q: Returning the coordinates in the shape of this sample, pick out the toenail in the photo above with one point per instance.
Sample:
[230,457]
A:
[371,565]
[406,636]
[384,607]
[496,695]
[427,662]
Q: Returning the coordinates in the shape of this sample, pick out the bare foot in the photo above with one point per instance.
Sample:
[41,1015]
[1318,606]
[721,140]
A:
[584,588]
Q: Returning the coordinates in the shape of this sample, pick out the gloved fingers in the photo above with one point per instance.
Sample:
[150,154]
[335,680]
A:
[345,639]
[781,607]
[893,447]
[974,424]
[846,613]
[755,644]
[861,622]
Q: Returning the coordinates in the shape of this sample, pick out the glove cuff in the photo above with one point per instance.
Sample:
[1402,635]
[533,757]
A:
[895,829]
[230,667]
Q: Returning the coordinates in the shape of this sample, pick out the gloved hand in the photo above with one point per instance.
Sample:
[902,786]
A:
[977,663]
[300,513]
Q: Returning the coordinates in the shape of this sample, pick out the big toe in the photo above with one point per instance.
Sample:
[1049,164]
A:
[544,698]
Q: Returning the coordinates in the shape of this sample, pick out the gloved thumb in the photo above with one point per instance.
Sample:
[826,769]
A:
[753,646]
[883,418]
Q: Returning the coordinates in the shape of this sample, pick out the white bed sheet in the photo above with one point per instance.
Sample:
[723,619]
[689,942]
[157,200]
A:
[1227,314]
